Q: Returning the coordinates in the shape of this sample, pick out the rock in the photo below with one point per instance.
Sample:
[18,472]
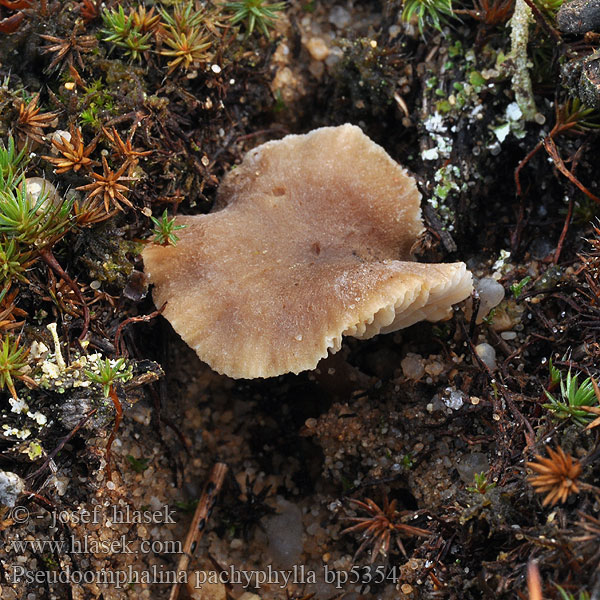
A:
[37,188]
[340,17]
[334,57]
[317,69]
[434,367]
[58,136]
[472,464]
[487,354]
[589,83]
[455,400]
[540,248]
[491,293]
[317,48]
[11,487]
[284,532]
[579,16]
[412,366]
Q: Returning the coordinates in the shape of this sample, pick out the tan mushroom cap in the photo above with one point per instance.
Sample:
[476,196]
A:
[310,241]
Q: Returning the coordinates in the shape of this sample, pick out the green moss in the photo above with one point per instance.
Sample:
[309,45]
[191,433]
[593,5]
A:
[364,78]
[108,257]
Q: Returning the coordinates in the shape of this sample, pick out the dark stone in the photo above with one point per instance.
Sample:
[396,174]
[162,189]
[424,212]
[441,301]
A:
[589,83]
[579,16]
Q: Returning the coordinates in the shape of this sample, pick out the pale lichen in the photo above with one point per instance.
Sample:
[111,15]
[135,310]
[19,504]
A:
[521,79]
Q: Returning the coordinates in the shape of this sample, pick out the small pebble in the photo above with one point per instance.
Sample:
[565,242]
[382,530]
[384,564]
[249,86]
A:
[59,136]
[487,354]
[434,368]
[491,293]
[340,17]
[236,544]
[317,69]
[472,464]
[284,532]
[317,48]
[38,187]
[335,55]
[412,366]
[11,487]
[455,400]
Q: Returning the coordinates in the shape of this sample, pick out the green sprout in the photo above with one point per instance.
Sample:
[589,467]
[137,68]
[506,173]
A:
[554,373]
[95,100]
[13,263]
[434,11]
[109,371]
[90,117]
[164,230]
[121,31]
[187,41]
[489,319]
[549,7]
[573,396]
[256,13]
[183,19]
[11,163]
[517,288]
[139,465]
[564,595]
[407,461]
[118,25]
[12,362]
[186,48]
[482,485]
[135,44]
[573,114]
[38,224]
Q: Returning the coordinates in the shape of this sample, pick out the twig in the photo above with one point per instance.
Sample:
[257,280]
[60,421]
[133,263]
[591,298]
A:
[552,150]
[475,308]
[144,319]
[543,22]
[563,234]
[529,434]
[501,387]
[47,504]
[198,525]
[118,416]
[279,129]
[561,125]
[48,257]
[520,166]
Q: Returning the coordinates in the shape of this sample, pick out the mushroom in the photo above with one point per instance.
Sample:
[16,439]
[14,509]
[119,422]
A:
[310,240]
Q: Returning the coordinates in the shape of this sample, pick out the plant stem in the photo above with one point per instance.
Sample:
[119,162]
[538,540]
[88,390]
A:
[48,257]
[118,416]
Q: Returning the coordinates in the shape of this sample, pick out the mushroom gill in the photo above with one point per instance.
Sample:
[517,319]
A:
[309,241]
